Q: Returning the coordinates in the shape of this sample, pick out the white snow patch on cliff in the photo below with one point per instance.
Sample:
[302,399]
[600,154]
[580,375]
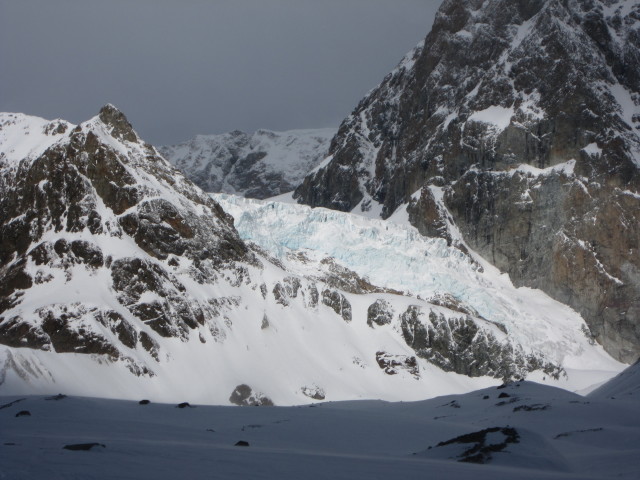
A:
[500,117]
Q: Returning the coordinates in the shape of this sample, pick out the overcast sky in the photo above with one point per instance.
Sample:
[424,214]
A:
[178,68]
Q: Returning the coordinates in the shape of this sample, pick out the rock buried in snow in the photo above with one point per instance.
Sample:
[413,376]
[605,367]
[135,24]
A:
[478,447]
[243,395]
[56,397]
[242,443]
[83,446]
[394,364]
[7,405]
[183,405]
[532,408]
[314,392]
[23,413]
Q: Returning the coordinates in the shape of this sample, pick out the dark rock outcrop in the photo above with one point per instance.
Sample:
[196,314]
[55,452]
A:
[338,302]
[314,392]
[461,345]
[244,396]
[84,447]
[393,364]
[379,312]
[518,122]
[480,446]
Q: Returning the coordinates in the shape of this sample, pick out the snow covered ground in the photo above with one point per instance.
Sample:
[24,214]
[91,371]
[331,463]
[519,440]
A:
[524,431]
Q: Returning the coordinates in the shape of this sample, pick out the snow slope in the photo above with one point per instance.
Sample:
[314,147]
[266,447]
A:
[558,435]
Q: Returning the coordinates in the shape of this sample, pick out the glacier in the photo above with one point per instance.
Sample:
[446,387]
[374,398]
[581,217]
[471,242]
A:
[393,254]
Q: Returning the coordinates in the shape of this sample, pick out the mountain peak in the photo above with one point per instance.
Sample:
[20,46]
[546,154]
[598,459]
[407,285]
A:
[121,129]
[547,88]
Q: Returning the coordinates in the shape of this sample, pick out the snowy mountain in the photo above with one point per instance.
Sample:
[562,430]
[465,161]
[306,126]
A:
[523,430]
[122,279]
[516,124]
[259,165]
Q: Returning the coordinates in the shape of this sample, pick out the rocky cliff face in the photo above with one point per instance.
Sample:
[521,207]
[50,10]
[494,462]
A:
[259,165]
[116,269]
[517,122]
[95,207]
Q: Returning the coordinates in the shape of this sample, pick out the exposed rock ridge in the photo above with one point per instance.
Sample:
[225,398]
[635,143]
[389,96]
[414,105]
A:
[526,115]
[72,210]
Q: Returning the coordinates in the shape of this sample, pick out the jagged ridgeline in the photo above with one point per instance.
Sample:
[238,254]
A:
[516,124]
[121,278]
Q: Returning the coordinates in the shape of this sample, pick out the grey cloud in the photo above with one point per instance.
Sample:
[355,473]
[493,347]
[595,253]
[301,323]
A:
[178,68]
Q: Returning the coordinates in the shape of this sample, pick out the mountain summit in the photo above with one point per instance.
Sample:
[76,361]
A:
[516,123]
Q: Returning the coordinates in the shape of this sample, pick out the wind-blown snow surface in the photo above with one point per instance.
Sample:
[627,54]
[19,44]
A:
[395,255]
[558,435]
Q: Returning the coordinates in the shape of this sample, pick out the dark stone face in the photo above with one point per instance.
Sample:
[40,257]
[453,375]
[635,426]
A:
[461,345]
[338,303]
[379,313]
[554,69]
[393,364]
[244,396]
[479,447]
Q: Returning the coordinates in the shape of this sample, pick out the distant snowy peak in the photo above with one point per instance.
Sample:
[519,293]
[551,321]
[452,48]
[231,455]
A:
[259,165]
[516,124]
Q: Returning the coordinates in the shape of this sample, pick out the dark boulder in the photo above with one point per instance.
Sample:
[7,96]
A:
[244,396]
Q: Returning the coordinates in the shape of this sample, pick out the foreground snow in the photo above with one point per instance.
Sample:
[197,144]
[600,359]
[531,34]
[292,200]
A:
[559,435]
